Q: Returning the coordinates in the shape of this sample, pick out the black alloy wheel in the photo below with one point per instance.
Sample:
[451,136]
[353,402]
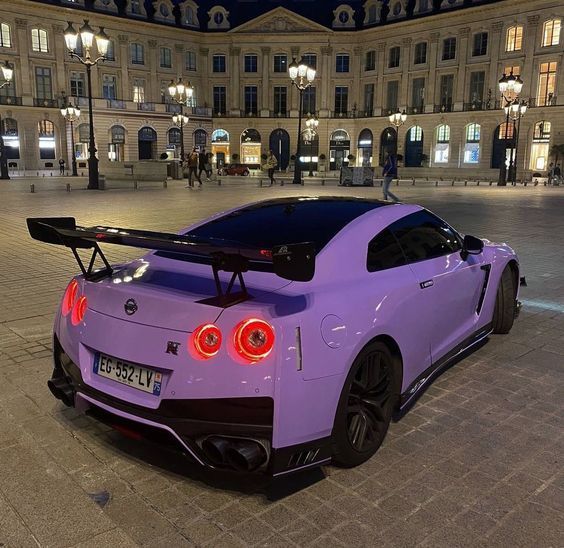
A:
[366,406]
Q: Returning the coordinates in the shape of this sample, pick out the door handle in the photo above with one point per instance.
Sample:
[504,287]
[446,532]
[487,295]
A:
[426,284]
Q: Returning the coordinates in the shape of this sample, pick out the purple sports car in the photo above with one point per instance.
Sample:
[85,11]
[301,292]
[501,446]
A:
[277,336]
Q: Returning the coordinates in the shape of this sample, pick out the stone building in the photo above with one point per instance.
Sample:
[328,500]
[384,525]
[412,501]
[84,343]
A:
[440,61]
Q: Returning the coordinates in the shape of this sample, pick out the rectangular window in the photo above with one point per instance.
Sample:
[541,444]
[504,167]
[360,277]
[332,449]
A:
[370,61]
[137,54]
[281,100]
[218,63]
[39,40]
[418,94]
[109,86]
[446,92]
[547,84]
[280,63]
[480,46]
[551,32]
[449,49]
[77,84]
[166,58]
[5,38]
[251,105]
[392,96]
[138,90]
[477,80]
[516,70]
[43,83]
[342,62]
[341,99]
[309,106]
[111,53]
[219,100]
[368,99]
[251,63]
[420,56]
[394,58]
[191,61]
[310,59]
[514,39]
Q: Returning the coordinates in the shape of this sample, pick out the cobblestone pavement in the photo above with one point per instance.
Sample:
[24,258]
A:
[477,462]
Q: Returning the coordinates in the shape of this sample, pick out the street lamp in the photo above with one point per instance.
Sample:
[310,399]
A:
[397,119]
[181,94]
[87,36]
[8,74]
[302,76]
[516,110]
[312,123]
[509,88]
[72,114]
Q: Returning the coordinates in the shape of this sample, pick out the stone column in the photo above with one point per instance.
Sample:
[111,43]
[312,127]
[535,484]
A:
[356,66]
[529,78]
[22,73]
[234,81]
[495,73]
[463,34]
[379,103]
[60,82]
[153,86]
[403,99]
[322,84]
[432,81]
[124,92]
[265,66]
[203,68]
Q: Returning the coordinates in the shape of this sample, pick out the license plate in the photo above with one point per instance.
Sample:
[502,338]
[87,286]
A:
[127,373]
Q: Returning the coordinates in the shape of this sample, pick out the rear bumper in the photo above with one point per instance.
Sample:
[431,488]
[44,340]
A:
[185,425]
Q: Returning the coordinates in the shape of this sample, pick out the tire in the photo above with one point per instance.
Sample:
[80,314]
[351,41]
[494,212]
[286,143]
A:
[504,311]
[367,401]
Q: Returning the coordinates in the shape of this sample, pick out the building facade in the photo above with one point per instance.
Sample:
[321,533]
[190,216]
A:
[440,62]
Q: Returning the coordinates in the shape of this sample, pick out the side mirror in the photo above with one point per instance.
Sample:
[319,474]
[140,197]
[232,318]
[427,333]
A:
[471,246]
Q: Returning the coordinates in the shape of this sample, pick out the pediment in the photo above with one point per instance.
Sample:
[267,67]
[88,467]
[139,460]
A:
[280,20]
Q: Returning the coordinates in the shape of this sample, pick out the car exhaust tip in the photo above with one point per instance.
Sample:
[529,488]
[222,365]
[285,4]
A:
[62,390]
[215,449]
[245,455]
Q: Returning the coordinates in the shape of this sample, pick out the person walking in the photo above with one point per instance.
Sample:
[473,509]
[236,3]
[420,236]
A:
[61,166]
[550,173]
[193,168]
[389,173]
[202,161]
[557,178]
[271,164]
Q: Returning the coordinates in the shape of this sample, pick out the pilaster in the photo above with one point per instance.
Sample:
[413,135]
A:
[265,88]
[404,86]
[463,35]
[380,60]
[433,77]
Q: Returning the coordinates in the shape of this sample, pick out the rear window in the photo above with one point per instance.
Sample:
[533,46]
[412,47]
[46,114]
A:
[285,221]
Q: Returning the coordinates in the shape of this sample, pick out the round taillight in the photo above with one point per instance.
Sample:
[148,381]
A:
[254,339]
[69,297]
[207,340]
[79,310]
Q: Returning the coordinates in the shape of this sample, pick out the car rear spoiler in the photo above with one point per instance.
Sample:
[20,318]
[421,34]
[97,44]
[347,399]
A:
[295,261]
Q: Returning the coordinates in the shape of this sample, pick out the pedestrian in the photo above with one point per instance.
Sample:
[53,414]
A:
[271,163]
[202,161]
[208,165]
[557,175]
[61,166]
[192,163]
[389,173]
[550,173]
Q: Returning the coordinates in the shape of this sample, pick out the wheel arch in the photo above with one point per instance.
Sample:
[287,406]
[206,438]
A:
[512,264]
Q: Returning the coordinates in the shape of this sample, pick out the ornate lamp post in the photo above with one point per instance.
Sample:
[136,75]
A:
[72,114]
[312,123]
[102,42]
[509,89]
[302,76]
[8,74]
[516,110]
[180,94]
[397,119]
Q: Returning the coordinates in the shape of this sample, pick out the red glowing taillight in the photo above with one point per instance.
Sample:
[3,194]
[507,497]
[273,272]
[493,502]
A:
[206,340]
[253,339]
[79,310]
[69,297]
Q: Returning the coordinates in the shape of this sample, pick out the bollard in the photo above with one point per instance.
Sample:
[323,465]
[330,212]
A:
[413,181]
[322,182]
[68,187]
[397,182]
[38,173]
[219,182]
[44,175]
[165,184]
[32,188]
[452,183]
[478,183]
[436,183]
[303,182]
[465,183]
[134,185]
[260,183]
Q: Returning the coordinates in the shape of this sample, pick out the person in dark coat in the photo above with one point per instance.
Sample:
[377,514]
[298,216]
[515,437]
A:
[390,173]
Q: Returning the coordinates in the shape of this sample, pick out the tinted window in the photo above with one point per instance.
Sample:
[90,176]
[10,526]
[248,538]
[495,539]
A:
[384,252]
[423,236]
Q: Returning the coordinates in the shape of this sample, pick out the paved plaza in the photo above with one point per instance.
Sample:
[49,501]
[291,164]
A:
[477,462]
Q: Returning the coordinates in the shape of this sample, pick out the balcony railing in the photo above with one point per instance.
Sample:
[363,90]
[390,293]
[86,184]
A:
[367,113]
[343,114]
[200,111]
[146,107]
[445,107]
[549,101]
[81,101]
[117,103]
[173,108]
[249,114]
[476,105]
[281,114]
[47,103]
[9,100]
[420,109]
[388,110]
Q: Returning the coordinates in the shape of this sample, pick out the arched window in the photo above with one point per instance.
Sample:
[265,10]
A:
[415,134]
[472,144]
[5,36]
[540,146]
[116,146]
[414,147]
[81,146]
[46,132]
[11,138]
[39,41]
[200,138]
[173,136]
[551,32]
[514,38]
[84,133]
[442,146]
[220,136]
[118,134]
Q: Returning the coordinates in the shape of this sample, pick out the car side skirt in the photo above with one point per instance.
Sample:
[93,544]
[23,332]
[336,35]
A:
[422,382]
